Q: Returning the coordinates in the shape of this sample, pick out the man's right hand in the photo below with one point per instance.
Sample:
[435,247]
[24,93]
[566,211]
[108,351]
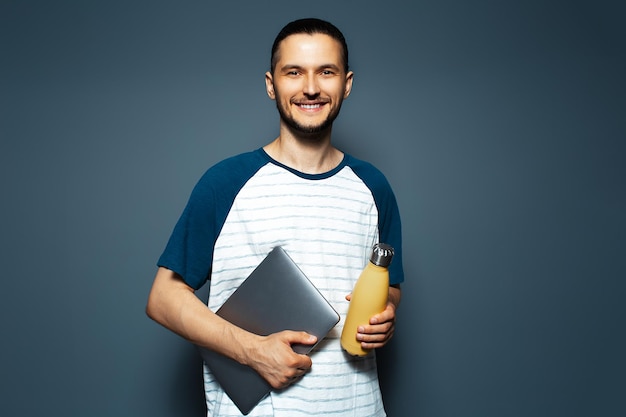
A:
[274,359]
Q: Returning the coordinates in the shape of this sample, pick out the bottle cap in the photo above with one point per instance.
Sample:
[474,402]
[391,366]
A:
[381,254]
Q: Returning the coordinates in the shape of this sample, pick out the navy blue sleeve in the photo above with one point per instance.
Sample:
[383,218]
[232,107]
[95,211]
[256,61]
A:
[189,251]
[389,225]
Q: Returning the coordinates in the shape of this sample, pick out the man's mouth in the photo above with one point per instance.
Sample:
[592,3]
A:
[310,106]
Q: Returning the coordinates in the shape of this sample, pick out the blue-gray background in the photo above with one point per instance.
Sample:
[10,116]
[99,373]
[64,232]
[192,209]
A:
[500,124]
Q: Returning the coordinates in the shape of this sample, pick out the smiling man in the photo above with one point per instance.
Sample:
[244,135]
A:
[325,207]
[311,75]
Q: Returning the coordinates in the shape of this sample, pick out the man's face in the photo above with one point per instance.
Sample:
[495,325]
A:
[309,82]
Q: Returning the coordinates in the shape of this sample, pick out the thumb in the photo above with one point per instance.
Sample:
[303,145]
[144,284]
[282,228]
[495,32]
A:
[304,338]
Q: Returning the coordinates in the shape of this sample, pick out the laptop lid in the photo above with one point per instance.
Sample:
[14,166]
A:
[276,296]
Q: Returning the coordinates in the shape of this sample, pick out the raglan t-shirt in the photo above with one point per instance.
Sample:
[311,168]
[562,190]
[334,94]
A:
[328,223]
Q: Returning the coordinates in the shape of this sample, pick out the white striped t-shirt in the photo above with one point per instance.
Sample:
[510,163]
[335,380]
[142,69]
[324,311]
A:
[245,206]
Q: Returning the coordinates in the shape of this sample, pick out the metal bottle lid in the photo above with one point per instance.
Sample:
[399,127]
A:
[381,254]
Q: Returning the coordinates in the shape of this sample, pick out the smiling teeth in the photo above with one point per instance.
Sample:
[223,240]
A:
[309,106]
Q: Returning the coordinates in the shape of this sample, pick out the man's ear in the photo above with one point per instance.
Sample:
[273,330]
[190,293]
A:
[269,85]
[349,81]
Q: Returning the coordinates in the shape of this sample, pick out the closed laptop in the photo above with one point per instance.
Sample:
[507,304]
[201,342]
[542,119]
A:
[276,296]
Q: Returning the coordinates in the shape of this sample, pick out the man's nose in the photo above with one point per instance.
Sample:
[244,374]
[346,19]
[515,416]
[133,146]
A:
[311,86]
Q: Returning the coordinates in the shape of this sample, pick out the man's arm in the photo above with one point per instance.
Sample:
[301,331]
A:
[173,304]
[382,326]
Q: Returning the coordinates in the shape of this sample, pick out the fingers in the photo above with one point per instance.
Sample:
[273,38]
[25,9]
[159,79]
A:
[379,331]
[277,362]
[289,376]
[373,337]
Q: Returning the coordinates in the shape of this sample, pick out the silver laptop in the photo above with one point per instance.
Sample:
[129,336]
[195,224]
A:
[276,296]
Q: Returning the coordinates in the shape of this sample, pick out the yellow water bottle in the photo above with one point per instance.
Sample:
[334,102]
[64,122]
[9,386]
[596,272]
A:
[369,297]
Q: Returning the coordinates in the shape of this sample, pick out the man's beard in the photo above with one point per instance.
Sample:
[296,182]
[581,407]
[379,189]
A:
[309,130]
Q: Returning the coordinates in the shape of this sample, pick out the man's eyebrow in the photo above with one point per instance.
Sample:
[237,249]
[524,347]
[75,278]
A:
[287,67]
[290,67]
[331,66]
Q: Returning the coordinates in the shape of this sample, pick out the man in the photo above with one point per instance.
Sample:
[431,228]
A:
[326,208]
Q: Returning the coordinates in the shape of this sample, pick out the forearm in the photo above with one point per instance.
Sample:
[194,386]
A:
[174,305]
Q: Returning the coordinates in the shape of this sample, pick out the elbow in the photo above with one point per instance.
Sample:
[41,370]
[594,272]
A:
[150,308]
[154,305]
[155,311]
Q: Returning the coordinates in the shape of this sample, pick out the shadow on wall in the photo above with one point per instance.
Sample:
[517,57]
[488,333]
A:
[185,394]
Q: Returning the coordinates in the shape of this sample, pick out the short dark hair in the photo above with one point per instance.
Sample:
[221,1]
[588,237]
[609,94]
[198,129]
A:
[309,26]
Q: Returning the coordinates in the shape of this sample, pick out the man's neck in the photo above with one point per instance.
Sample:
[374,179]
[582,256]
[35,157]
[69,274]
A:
[308,154]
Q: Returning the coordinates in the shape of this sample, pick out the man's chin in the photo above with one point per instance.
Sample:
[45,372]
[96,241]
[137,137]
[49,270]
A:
[312,130]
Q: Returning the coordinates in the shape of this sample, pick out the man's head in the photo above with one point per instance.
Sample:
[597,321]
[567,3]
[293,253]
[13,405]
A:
[309,26]
[309,78]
